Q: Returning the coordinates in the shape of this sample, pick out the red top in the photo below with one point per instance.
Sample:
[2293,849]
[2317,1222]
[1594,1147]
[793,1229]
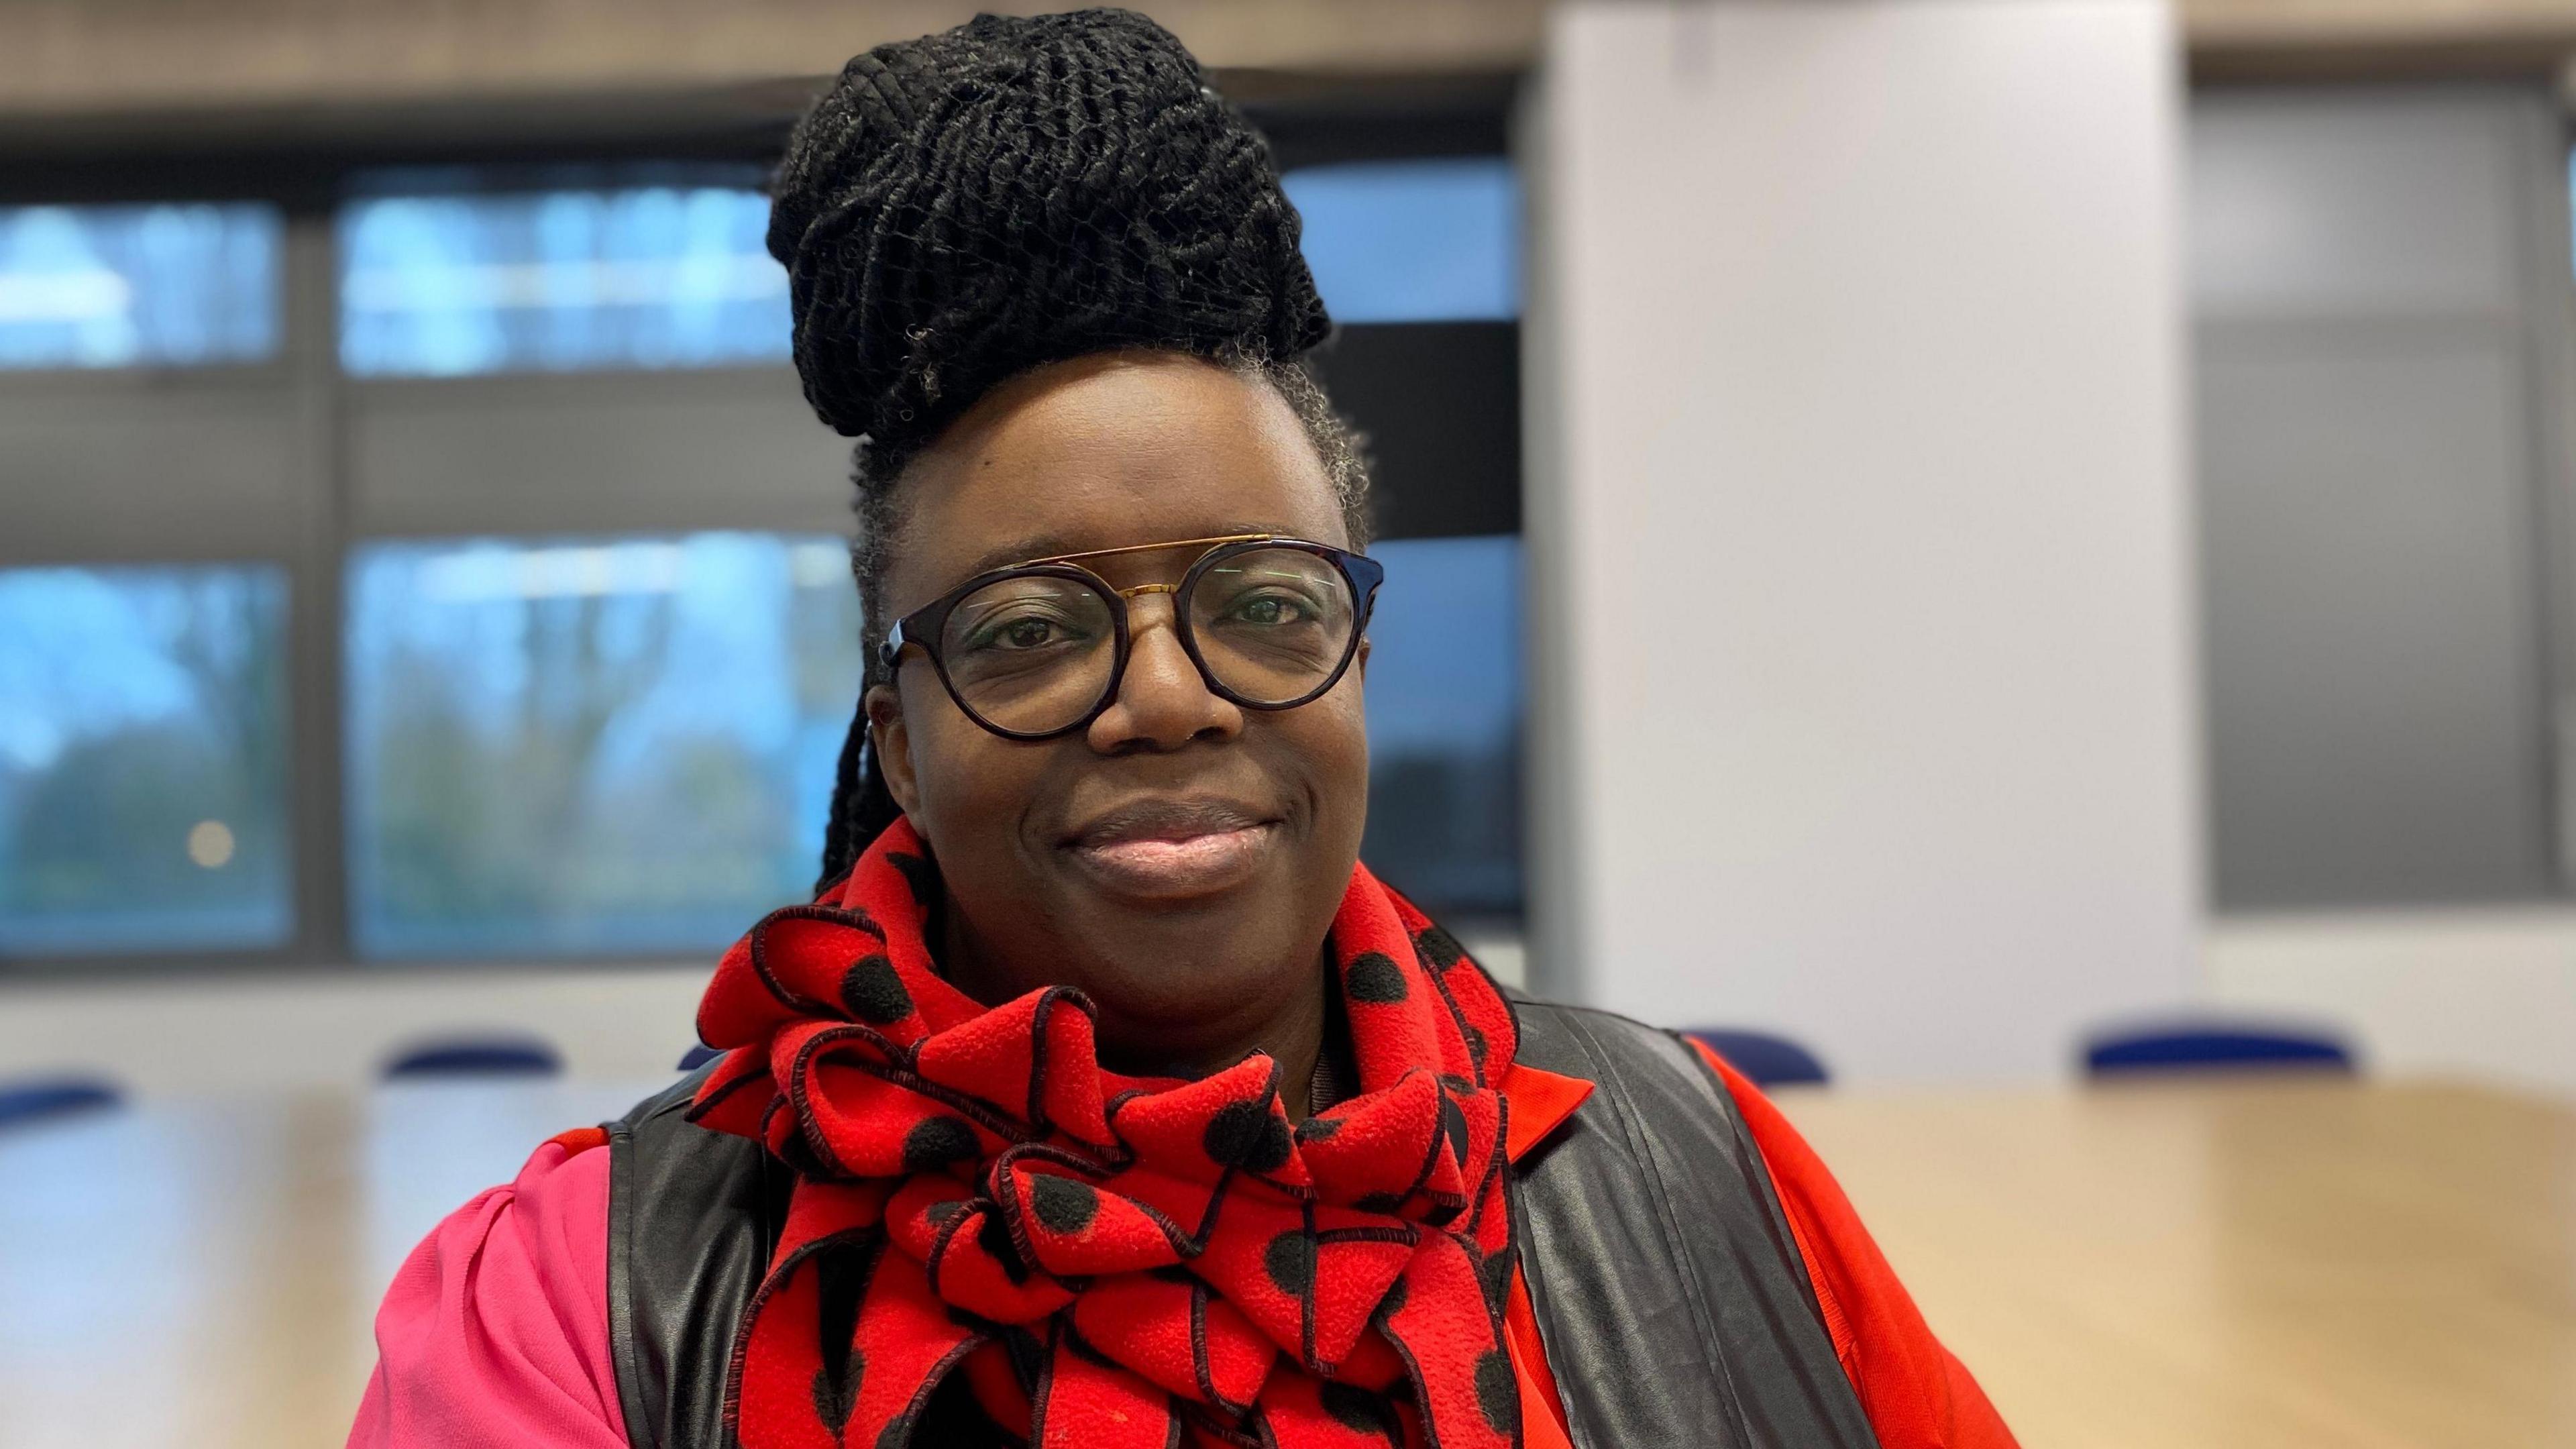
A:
[494,1333]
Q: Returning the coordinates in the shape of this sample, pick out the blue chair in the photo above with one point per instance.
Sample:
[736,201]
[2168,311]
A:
[1770,1061]
[2213,1046]
[697,1056]
[476,1057]
[40,1098]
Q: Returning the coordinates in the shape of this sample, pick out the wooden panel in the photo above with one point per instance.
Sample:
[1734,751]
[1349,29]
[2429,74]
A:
[93,57]
[144,65]
[2318,24]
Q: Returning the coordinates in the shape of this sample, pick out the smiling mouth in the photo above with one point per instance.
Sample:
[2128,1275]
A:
[1173,849]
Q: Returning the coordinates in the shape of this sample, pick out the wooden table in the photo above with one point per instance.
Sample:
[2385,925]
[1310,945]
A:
[205,1273]
[2250,1264]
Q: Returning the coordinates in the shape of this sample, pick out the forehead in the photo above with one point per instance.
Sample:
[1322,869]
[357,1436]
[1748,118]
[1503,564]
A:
[1101,453]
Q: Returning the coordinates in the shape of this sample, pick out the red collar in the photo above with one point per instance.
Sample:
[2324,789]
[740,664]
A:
[1541,1101]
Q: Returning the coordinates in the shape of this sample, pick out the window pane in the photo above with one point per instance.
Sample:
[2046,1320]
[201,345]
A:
[591,747]
[1444,713]
[1432,240]
[142,759]
[127,286]
[650,276]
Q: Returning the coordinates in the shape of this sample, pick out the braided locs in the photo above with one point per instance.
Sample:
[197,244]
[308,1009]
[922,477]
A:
[966,206]
[962,208]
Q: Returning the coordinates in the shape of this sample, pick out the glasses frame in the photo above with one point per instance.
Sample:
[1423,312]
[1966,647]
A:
[917,629]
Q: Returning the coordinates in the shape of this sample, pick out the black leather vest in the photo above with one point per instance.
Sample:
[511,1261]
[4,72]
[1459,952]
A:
[1670,1295]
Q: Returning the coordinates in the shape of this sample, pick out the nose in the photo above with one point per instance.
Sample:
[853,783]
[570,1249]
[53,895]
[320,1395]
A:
[1163,703]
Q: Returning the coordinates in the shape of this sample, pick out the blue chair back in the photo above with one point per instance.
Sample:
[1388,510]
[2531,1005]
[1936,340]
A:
[2213,1046]
[36,1099]
[1770,1061]
[476,1057]
[697,1056]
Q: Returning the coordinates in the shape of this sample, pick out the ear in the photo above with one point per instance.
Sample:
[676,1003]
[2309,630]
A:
[1360,660]
[893,744]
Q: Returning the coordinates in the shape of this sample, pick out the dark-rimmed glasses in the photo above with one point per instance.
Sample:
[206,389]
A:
[1038,649]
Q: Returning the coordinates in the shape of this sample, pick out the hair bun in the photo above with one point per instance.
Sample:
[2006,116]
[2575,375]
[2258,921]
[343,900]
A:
[962,207]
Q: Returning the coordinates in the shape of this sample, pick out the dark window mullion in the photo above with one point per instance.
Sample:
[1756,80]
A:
[315,785]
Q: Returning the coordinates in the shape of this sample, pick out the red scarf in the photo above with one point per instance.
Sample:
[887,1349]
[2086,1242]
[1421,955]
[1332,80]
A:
[1111,1261]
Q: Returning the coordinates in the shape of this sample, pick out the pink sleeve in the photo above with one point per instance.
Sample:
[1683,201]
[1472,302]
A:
[495,1331]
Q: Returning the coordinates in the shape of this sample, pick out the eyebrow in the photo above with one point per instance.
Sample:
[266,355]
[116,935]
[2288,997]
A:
[1050,545]
[1044,545]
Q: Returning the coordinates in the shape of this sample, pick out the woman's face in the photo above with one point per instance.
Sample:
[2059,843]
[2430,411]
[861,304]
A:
[1180,858]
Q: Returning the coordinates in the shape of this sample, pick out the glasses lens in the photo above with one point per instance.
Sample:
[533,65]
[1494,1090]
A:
[1272,623]
[1031,653]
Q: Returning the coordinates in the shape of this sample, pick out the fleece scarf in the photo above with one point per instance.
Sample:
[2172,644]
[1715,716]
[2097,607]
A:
[1111,1262]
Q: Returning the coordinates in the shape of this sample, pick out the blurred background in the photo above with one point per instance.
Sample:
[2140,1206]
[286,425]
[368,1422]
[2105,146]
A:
[1923,531]
[1933,529]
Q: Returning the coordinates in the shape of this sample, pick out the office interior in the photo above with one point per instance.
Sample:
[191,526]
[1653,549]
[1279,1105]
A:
[1940,531]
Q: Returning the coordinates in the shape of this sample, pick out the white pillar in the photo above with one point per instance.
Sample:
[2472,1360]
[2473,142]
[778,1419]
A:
[1864,704]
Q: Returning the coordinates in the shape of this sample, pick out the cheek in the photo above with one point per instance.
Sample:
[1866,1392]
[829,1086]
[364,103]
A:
[1330,738]
[973,785]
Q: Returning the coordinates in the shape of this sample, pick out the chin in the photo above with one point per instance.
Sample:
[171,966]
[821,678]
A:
[1179,964]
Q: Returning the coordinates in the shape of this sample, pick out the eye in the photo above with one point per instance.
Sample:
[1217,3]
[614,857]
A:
[1022,631]
[1025,634]
[1271,610]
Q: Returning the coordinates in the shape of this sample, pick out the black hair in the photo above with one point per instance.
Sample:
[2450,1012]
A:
[963,208]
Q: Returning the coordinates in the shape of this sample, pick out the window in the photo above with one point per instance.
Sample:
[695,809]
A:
[1444,714]
[142,760]
[595,644]
[2376,493]
[1419,259]
[644,277]
[594,746]
[125,286]
[1430,240]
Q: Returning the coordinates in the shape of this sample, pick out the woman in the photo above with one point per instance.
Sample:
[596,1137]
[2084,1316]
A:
[1102,1097]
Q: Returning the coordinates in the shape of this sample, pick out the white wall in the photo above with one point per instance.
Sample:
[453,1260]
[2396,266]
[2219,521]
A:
[1859,530]
[2482,995]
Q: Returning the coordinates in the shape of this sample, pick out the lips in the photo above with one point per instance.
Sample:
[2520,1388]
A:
[1173,849]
